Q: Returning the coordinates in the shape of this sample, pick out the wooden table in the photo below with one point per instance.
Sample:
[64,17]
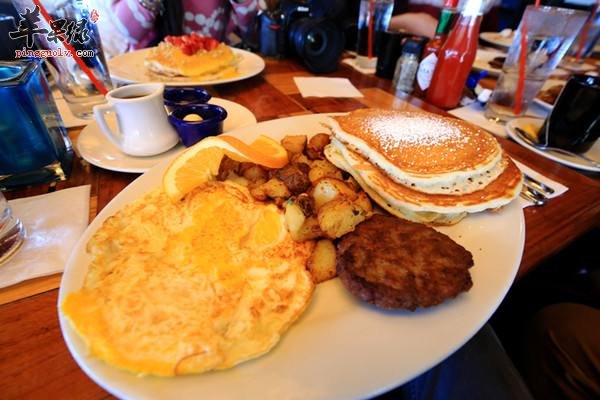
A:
[34,361]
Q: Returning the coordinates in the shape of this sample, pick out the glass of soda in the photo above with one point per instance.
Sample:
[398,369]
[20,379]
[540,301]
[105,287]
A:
[549,34]
[380,11]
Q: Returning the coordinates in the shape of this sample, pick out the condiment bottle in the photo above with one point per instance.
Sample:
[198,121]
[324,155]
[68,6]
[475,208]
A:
[456,57]
[432,48]
[406,67]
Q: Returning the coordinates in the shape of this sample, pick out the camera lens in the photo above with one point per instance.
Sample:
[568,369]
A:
[317,42]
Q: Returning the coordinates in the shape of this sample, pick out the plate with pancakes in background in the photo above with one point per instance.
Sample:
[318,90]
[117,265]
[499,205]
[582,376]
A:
[425,238]
[186,60]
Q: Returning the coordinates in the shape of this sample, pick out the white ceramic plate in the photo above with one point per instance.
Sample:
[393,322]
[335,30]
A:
[96,149]
[548,84]
[129,68]
[339,348]
[484,56]
[535,124]
[576,67]
[496,39]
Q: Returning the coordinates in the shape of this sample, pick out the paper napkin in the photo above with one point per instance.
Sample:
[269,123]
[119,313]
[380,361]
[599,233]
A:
[326,87]
[474,113]
[353,62]
[69,120]
[558,187]
[53,223]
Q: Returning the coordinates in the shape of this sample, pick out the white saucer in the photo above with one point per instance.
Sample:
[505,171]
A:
[535,124]
[96,149]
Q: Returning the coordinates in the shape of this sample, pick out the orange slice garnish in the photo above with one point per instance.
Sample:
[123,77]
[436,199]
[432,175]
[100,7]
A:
[200,163]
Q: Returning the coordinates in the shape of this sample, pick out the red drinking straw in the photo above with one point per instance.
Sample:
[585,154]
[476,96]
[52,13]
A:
[370,36]
[99,86]
[522,62]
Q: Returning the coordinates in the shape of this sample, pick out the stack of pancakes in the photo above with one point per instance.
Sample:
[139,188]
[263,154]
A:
[423,167]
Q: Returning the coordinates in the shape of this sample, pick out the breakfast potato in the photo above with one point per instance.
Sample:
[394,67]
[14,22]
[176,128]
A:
[364,202]
[227,167]
[309,230]
[253,172]
[350,181]
[295,177]
[257,190]
[340,216]
[294,217]
[328,189]
[300,158]
[274,188]
[321,263]
[319,141]
[323,169]
[294,144]
[305,202]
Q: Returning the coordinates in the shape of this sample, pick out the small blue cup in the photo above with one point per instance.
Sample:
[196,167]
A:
[185,96]
[192,132]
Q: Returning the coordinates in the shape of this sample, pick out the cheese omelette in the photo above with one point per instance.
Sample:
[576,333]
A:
[188,287]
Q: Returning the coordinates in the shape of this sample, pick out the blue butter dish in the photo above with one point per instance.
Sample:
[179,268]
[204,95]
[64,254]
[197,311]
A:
[195,122]
[185,96]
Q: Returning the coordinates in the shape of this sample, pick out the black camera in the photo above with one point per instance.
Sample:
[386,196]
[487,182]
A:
[306,29]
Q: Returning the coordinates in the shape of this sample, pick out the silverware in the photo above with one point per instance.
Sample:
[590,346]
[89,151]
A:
[532,195]
[524,136]
[538,185]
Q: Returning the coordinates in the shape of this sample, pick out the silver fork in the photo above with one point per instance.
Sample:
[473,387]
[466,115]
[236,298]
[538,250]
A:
[538,185]
[529,193]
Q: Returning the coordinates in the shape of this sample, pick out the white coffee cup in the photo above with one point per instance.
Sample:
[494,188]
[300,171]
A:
[143,126]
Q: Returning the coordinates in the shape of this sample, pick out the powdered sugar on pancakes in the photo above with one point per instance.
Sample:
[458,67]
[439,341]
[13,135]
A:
[394,131]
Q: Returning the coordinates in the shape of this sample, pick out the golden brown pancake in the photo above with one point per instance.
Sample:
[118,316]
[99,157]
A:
[418,143]
[414,205]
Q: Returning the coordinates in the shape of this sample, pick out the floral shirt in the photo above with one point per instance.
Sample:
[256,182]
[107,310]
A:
[128,26]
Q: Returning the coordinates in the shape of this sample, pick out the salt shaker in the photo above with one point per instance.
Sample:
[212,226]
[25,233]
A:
[406,67]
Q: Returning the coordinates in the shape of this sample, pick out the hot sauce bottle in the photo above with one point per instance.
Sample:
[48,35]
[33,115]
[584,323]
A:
[456,57]
[432,48]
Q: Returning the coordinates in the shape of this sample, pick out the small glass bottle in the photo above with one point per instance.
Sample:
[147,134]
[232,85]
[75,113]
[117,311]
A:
[406,67]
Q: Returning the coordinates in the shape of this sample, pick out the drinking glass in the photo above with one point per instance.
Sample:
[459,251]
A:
[382,13]
[76,21]
[550,32]
[34,144]
[588,37]
[12,232]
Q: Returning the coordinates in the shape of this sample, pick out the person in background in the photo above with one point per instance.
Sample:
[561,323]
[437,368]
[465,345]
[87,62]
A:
[127,25]
[420,17]
[560,353]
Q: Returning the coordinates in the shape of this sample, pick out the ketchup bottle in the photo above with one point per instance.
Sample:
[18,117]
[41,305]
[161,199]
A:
[456,58]
[432,48]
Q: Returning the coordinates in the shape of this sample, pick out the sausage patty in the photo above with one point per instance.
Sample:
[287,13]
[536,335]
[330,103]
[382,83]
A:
[397,264]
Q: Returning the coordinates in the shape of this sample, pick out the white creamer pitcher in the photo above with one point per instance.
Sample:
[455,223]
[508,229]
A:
[143,126]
